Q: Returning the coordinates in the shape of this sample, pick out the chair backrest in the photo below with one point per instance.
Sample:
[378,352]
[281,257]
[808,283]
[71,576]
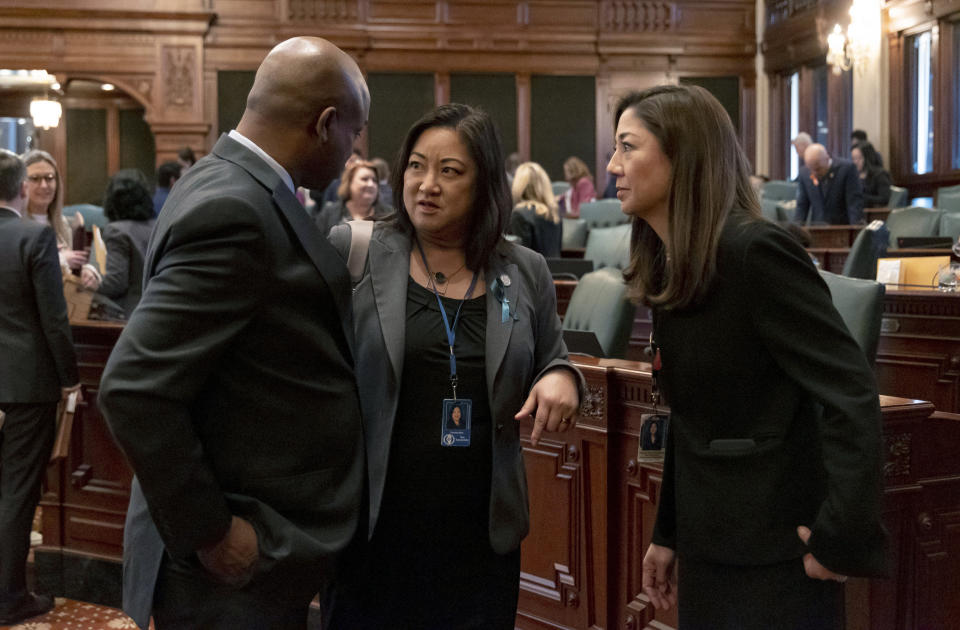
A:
[870,244]
[860,304]
[947,190]
[770,208]
[574,233]
[602,213]
[950,225]
[599,304]
[949,202]
[559,188]
[912,221]
[898,197]
[609,247]
[779,190]
[92,215]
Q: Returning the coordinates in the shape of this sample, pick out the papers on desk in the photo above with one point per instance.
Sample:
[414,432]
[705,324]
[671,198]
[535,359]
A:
[65,411]
[99,251]
[911,272]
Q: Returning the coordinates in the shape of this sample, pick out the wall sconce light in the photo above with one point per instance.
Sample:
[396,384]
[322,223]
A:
[859,45]
[45,113]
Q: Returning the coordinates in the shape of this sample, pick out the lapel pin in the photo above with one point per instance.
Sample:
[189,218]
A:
[505,279]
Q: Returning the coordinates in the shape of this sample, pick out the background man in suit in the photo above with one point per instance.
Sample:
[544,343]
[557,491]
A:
[232,388]
[829,189]
[37,367]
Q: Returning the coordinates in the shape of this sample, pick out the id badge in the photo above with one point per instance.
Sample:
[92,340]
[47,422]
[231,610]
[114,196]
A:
[455,424]
[653,435]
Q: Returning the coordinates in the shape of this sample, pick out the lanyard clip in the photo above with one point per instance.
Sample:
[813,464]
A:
[453,384]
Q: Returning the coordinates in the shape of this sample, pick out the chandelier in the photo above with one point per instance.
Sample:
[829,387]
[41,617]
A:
[855,49]
[45,113]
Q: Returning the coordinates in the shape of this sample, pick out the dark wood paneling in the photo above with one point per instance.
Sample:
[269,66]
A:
[397,100]
[137,147]
[232,89]
[86,168]
[497,95]
[564,123]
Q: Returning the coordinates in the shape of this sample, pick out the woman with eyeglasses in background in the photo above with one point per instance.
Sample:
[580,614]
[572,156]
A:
[45,204]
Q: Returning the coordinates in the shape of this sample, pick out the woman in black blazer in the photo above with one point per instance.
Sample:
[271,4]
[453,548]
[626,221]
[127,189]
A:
[771,488]
[536,217]
[874,179]
[448,494]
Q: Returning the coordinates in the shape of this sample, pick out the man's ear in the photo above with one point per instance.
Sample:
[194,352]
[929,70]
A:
[325,123]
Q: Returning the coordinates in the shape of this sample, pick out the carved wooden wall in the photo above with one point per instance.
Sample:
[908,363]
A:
[167,54]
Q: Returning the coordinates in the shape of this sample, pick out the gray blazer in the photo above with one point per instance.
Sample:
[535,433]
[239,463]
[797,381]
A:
[519,351]
[126,243]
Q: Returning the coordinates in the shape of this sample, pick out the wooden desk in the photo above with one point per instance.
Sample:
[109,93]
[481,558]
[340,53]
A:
[593,507]
[833,258]
[832,236]
[592,510]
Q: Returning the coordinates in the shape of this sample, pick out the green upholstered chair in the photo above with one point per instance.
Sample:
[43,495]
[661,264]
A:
[947,190]
[949,202]
[770,209]
[912,221]
[609,247]
[860,304]
[92,215]
[559,188]
[867,247]
[950,225]
[603,213]
[779,190]
[599,304]
[574,233]
[898,197]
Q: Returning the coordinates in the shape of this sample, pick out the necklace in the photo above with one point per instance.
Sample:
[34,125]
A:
[440,278]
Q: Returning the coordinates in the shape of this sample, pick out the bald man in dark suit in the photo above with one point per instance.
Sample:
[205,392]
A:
[37,368]
[232,388]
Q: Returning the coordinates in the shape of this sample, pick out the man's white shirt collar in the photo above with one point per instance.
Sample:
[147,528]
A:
[250,144]
[12,210]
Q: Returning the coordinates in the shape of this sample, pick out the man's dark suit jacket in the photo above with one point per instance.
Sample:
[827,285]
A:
[519,351]
[232,389]
[126,243]
[37,357]
[838,199]
[765,359]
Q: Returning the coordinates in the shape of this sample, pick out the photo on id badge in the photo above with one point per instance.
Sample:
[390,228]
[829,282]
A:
[456,422]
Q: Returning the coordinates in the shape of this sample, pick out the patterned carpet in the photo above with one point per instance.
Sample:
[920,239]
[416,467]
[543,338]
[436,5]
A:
[68,614]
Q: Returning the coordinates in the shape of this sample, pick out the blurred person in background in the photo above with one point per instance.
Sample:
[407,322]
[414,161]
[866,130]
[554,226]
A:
[535,218]
[359,198]
[576,173]
[129,209]
[45,205]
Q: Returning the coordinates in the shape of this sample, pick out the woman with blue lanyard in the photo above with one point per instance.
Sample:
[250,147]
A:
[457,340]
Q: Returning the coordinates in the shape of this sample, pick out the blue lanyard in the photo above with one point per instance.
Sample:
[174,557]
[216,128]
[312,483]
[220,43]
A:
[450,330]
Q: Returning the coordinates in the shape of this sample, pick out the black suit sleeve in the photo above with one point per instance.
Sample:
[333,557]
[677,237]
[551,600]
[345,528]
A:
[853,195]
[803,202]
[794,316]
[116,281]
[47,281]
[207,280]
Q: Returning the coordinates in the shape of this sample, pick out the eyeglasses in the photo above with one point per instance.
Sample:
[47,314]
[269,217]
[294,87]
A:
[36,179]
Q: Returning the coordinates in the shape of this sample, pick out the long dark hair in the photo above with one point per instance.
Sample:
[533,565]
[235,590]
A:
[492,202]
[709,180]
[871,159]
